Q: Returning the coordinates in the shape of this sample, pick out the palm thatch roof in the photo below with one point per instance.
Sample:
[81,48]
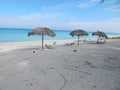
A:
[78,32]
[42,31]
[100,34]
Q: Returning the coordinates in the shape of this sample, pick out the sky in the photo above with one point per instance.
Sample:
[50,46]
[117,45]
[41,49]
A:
[89,15]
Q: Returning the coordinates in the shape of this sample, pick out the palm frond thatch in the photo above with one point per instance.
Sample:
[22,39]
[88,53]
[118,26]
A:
[78,33]
[42,31]
[100,34]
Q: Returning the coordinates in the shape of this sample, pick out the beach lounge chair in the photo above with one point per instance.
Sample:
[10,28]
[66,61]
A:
[91,41]
[102,40]
[50,46]
[73,43]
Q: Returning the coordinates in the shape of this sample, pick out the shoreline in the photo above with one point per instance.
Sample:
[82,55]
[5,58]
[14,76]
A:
[9,46]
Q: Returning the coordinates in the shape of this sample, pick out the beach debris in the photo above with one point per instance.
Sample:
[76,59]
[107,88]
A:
[33,51]
[75,50]
[94,86]
[29,84]
[90,64]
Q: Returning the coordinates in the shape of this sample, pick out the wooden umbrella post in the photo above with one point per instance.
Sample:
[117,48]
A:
[98,40]
[78,39]
[42,41]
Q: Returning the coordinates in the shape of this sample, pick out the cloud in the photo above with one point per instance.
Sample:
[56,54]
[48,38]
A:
[114,1]
[114,8]
[110,1]
[93,1]
[111,25]
[37,16]
[115,19]
[88,4]
[83,5]
[27,21]
[59,6]
[72,19]
[68,5]
[44,7]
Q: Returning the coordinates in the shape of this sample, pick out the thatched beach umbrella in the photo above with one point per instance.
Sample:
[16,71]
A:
[78,33]
[42,31]
[99,34]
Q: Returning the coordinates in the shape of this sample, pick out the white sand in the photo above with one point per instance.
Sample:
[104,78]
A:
[92,67]
[5,47]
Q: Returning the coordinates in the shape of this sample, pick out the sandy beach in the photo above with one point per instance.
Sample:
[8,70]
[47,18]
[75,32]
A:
[9,46]
[89,66]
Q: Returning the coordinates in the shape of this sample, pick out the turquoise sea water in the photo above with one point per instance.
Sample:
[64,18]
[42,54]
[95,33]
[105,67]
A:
[20,35]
